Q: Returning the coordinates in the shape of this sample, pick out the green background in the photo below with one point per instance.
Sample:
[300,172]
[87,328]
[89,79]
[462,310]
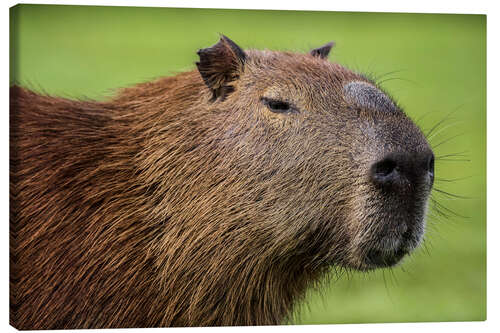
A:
[434,66]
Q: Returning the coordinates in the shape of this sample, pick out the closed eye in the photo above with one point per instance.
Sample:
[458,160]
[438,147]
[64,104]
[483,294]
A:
[277,106]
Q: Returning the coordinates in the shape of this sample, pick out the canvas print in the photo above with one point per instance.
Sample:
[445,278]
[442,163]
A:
[202,167]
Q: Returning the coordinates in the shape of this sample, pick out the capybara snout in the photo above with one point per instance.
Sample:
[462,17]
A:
[402,171]
[213,197]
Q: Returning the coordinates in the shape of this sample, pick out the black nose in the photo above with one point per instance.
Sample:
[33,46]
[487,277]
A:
[401,170]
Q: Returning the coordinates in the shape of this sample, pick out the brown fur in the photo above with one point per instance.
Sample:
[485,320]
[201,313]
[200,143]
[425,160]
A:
[178,203]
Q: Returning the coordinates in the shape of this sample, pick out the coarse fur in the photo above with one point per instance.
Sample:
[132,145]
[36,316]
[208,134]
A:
[189,201]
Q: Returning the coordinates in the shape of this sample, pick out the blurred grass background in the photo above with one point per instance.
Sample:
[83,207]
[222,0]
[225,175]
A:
[440,64]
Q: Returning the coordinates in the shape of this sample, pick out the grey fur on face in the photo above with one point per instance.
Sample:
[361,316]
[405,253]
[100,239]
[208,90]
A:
[366,95]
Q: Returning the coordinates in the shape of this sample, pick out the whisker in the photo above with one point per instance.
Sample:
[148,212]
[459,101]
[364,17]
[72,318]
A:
[426,249]
[377,78]
[444,128]
[385,282]
[394,276]
[460,154]
[442,207]
[453,159]
[447,140]
[446,117]
[438,210]
[396,78]
[421,117]
[451,180]
[450,194]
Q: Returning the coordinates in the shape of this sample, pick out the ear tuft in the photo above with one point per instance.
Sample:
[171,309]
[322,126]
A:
[322,51]
[220,64]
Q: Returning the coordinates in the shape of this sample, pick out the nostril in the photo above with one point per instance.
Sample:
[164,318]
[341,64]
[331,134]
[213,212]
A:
[385,167]
[399,169]
[383,171]
[431,167]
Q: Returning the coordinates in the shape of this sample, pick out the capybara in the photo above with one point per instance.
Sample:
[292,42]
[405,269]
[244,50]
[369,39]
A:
[212,197]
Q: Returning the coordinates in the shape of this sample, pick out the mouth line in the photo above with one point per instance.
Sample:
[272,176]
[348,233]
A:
[384,258]
[388,251]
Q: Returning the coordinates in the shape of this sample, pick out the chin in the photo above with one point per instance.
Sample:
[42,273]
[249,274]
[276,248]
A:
[388,249]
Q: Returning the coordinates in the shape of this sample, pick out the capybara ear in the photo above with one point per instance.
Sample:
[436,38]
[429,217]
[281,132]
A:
[322,51]
[221,64]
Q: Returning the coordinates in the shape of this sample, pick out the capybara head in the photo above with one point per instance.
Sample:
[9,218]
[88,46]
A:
[331,162]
